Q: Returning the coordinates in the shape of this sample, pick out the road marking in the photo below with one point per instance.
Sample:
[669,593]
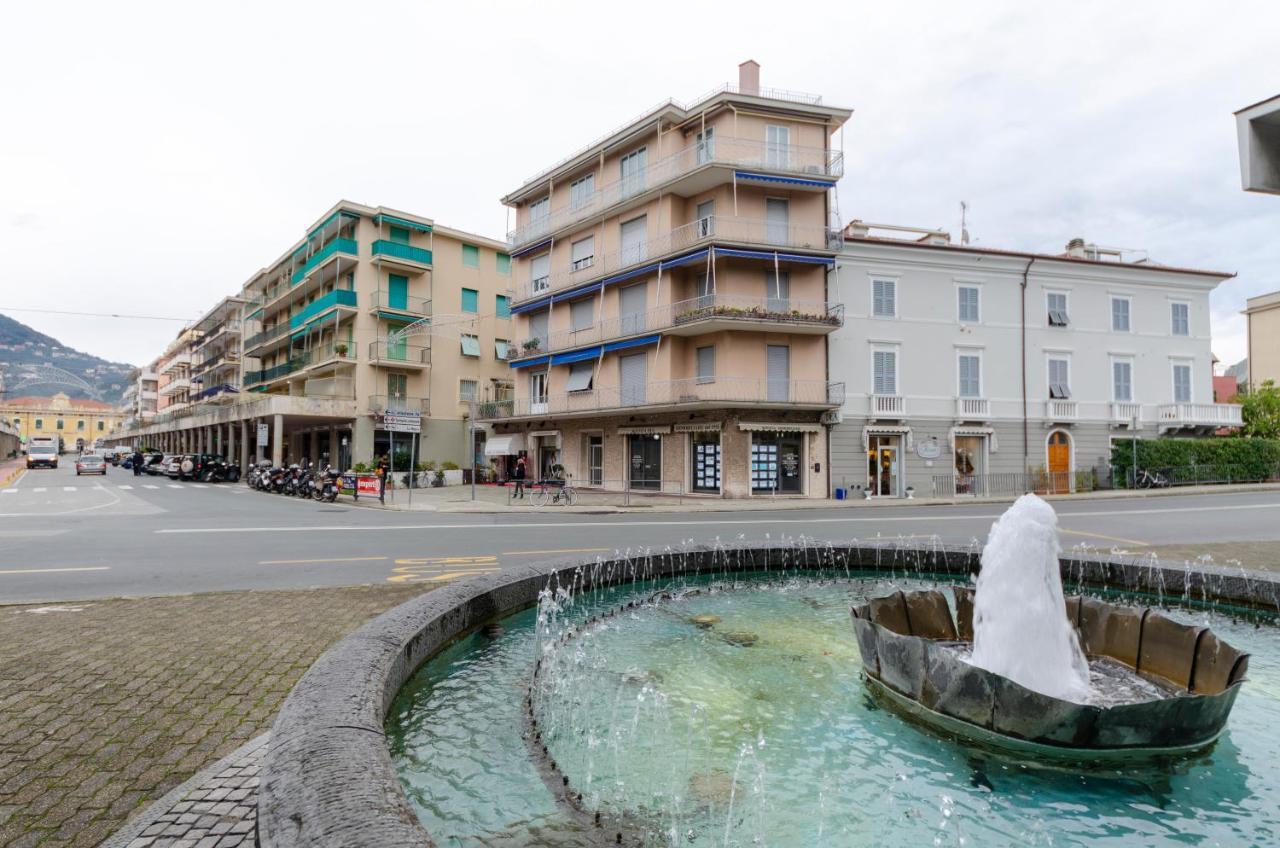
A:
[447,560]
[10,491]
[122,486]
[1106,538]
[556,551]
[149,486]
[55,570]
[68,488]
[174,486]
[869,519]
[199,486]
[428,569]
[39,489]
[332,559]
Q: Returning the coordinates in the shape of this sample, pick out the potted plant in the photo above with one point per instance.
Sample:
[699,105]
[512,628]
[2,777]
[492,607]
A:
[452,473]
[531,345]
[340,349]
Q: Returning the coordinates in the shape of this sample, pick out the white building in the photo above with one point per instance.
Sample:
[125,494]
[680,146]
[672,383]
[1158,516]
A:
[967,368]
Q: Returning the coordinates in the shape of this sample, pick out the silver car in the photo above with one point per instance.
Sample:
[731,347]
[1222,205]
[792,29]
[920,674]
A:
[91,463]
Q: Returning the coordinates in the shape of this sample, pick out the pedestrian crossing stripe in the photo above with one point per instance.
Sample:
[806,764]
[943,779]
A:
[148,486]
[124,487]
[10,491]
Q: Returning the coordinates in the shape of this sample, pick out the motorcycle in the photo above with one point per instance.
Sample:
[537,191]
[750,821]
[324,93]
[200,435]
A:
[329,486]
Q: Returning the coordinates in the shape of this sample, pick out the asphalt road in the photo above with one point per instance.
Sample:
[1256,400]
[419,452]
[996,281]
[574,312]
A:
[65,538]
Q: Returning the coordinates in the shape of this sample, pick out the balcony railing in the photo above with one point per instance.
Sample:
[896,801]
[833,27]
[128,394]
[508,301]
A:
[339,245]
[379,404]
[329,351]
[713,228]
[266,375]
[335,298]
[397,250]
[266,336]
[175,385]
[1175,415]
[229,390]
[886,406]
[782,312]
[393,302]
[688,392]
[383,352]
[972,409]
[755,154]
[1061,411]
[1123,412]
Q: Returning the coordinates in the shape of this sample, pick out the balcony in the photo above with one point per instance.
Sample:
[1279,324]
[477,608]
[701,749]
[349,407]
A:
[379,404]
[1061,412]
[148,394]
[973,409]
[321,257]
[266,336]
[414,259]
[395,305]
[886,406]
[399,354]
[672,394]
[1126,413]
[266,375]
[175,385]
[220,359]
[176,362]
[707,314]
[336,299]
[1198,416]
[328,353]
[717,229]
[223,393]
[818,164]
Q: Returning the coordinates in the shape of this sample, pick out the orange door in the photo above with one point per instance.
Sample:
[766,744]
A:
[1059,463]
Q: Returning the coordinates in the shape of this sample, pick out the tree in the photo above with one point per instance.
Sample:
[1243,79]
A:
[1260,407]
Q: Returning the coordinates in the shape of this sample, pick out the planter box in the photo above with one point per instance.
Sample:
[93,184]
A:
[453,478]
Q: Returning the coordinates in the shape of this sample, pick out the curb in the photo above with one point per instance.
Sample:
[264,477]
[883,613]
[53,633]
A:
[13,476]
[133,828]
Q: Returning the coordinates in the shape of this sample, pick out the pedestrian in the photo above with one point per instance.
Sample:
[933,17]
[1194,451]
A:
[137,462]
[384,466]
[519,478]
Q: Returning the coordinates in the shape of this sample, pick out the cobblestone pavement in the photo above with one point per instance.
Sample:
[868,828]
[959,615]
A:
[105,706]
[1262,556]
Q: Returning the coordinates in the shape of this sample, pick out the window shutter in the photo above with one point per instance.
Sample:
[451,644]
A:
[582,313]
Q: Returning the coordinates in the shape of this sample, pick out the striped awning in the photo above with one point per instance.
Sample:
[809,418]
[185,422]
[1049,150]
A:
[779,427]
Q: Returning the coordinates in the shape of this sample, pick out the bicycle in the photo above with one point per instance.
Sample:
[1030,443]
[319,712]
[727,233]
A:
[1149,480]
[554,492]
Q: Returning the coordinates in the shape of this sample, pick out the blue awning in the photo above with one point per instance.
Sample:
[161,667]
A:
[531,306]
[635,272]
[782,257]
[576,293]
[576,356]
[525,363]
[685,260]
[623,345]
[531,248]
[769,178]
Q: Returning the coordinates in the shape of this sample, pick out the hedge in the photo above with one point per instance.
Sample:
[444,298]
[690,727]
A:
[1249,459]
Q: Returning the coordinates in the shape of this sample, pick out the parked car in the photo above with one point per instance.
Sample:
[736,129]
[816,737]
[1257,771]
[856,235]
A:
[91,463]
[156,464]
[173,465]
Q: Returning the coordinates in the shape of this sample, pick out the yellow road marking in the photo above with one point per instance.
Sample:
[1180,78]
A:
[332,559]
[55,570]
[453,560]
[1107,538]
[556,551]
[429,574]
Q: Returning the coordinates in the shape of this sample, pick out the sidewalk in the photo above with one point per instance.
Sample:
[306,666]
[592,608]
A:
[10,469]
[495,499]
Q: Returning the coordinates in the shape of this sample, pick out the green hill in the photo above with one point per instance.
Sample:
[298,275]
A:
[21,345]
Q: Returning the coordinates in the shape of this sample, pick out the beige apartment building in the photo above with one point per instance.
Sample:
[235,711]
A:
[79,422]
[374,311]
[1262,317]
[672,305]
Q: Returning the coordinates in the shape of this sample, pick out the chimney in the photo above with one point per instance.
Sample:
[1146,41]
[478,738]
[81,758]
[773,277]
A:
[1075,247]
[749,77]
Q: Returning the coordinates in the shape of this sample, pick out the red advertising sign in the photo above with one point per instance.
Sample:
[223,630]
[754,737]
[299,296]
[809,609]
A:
[367,485]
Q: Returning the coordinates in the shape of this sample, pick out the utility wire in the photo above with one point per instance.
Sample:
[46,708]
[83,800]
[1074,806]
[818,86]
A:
[94,314]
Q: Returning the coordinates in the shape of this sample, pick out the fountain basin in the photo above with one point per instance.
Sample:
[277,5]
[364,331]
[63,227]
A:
[913,654]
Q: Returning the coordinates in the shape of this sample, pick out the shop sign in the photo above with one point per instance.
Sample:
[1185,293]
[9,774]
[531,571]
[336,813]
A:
[262,432]
[928,449]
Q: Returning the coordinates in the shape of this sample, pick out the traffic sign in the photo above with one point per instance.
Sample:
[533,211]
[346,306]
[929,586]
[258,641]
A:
[401,421]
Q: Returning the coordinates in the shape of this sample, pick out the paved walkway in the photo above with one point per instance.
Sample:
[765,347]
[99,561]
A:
[106,706]
[10,469]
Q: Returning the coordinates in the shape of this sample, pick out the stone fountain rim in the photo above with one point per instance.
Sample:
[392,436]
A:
[327,776]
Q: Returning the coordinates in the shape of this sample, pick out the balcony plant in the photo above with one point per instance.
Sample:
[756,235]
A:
[340,349]
[531,345]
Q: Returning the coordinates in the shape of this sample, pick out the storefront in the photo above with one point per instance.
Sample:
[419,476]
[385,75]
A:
[705,457]
[886,454]
[777,461]
[544,446]
[502,452]
[971,447]
[644,456]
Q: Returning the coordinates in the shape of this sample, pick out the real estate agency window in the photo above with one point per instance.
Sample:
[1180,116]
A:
[581,191]
[1122,380]
[1121,315]
[1182,382]
[1180,318]
[1056,303]
[704,475]
[884,298]
[968,304]
[1059,378]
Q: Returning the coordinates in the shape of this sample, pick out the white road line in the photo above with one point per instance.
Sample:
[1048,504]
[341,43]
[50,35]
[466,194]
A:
[149,486]
[882,519]
[10,491]
[199,486]
[68,488]
[175,486]
[55,570]
[124,487]
[39,489]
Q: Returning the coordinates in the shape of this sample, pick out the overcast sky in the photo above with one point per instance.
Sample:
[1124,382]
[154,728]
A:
[154,156]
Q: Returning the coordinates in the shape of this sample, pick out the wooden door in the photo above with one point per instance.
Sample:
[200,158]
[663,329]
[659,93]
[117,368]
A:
[1059,463]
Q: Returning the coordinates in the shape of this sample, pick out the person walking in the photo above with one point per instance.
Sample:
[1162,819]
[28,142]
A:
[519,476]
[136,461]
[384,466]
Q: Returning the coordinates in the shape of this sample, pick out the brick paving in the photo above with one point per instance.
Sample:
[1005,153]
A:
[105,706]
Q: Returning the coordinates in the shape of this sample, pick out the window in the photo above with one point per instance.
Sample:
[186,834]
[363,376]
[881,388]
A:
[79,425]
[540,272]
[884,371]
[970,375]
[59,424]
[538,387]
[706,145]
[502,349]
[1120,322]
[470,345]
[705,219]
[503,306]
[632,168]
[777,150]
[584,253]
[1057,303]
[470,300]
[968,310]
[397,385]
[466,390]
[1181,382]
[540,211]
[707,364]
[101,426]
[1121,380]
[39,423]
[470,256]
[777,220]
[538,323]
[581,191]
[399,235]
[504,263]
[633,240]
[1180,314]
[884,298]
[582,314]
[580,374]
[777,290]
[1059,378]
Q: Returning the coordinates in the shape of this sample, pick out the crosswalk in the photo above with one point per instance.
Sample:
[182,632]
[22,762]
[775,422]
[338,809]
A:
[123,487]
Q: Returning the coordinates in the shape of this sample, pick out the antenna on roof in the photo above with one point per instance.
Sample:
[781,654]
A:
[964,232]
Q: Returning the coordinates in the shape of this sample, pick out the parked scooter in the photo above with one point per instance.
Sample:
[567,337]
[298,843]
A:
[330,482]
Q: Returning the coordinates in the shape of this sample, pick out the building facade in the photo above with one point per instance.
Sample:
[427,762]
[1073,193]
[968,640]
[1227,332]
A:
[141,397]
[80,423]
[1262,325]
[671,307]
[962,364]
[1258,134]
[374,311]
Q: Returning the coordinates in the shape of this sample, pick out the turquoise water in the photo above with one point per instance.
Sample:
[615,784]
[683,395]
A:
[758,731]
